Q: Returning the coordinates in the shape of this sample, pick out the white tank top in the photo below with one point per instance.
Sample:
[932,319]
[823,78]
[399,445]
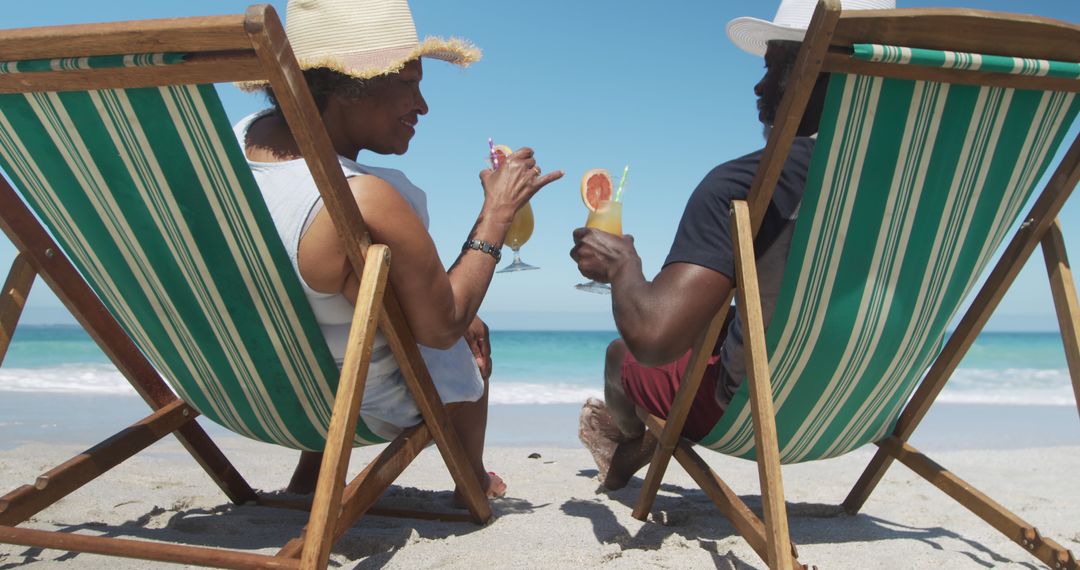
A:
[293,199]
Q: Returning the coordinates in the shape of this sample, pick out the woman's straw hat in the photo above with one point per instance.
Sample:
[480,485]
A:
[790,23]
[364,38]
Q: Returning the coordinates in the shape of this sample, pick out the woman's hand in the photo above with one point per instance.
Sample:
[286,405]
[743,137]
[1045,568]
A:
[480,343]
[514,183]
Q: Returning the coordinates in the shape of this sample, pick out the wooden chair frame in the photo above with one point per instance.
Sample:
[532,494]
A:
[825,49]
[245,47]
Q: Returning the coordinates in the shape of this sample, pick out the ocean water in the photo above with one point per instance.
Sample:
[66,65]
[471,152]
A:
[549,368]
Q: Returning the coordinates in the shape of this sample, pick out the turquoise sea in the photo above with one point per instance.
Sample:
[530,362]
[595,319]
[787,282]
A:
[541,368]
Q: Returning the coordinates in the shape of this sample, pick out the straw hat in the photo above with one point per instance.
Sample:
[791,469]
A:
[790,23]
[364,38]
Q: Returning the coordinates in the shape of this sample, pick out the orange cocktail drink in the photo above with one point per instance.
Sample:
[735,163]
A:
[521,227]
[606,217]
[605,214]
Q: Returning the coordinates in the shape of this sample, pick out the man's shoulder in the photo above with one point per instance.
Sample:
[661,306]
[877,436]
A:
[738,171]
[738,168]
[732,179]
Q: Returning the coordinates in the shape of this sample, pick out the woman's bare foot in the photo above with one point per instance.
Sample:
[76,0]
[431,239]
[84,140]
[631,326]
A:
[494,487]
[617,457]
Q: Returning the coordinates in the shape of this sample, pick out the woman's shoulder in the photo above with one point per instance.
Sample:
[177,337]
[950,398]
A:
[391,175]
[240,129]
[397,179]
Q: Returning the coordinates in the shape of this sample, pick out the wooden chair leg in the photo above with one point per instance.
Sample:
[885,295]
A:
[746,523]
[761,398]
[435,415]
[1019,531]
[326,505]
[60,481]
[143,549]
[13,299]
[657,465]
[1065,302]
[867,482]
[369,484]
[669,435]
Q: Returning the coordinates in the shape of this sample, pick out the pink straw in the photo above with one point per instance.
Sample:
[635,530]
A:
[493,155]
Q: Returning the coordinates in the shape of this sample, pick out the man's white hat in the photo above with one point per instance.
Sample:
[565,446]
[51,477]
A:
[790,23]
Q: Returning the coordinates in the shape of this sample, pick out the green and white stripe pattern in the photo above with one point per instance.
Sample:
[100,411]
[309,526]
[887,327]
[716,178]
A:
[94,62]
[149,194]
[967,61]
[912,188]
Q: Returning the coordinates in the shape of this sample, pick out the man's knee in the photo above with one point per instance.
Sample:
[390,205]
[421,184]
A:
[613,361]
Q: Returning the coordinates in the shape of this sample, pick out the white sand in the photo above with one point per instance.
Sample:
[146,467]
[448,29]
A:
[554,516]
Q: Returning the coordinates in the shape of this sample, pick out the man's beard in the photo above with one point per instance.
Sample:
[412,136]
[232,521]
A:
[766,130]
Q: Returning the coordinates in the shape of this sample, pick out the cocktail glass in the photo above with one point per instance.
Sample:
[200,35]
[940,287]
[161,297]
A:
[521,229]
[608,218]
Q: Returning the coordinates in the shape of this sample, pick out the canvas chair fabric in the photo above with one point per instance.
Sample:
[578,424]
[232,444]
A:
[148,192]
[912,189]
[967,61]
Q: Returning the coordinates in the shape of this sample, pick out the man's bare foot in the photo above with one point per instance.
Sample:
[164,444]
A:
[494,487]
[629,457]
[600,442]
[617,457]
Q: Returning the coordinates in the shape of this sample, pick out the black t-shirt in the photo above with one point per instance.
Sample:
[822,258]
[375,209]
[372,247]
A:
[704,234]
[704,238]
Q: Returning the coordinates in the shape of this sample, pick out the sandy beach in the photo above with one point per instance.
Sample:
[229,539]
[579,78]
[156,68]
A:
[554,515]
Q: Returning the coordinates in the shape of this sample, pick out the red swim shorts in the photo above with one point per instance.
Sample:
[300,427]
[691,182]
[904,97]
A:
[654,388]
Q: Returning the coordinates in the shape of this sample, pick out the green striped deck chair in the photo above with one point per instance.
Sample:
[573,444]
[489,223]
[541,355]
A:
[924,162]
[131,197]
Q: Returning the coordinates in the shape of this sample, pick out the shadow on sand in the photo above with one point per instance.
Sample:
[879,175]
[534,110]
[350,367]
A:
[690,514]
[372,541]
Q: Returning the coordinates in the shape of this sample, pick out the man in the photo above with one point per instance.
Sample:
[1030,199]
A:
[659,320]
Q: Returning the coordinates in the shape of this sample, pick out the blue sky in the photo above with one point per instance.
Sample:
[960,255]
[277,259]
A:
[596,84]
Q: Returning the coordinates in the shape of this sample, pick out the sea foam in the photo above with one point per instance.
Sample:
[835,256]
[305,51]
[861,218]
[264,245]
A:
[66,378]
[528,393]
[1008,386]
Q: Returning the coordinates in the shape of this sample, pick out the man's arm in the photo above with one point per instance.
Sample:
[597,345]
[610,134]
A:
[659,320]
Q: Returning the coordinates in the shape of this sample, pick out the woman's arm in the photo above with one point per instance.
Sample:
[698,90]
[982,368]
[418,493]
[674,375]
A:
[439,305]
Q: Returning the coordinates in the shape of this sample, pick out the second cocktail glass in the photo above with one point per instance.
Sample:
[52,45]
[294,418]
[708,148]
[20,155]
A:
[608,218]
[521,229]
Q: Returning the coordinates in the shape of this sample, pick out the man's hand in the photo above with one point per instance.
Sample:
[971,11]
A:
[600,255]
[480,343]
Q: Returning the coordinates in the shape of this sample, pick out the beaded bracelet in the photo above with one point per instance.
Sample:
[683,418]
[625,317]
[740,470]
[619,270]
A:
[486,247]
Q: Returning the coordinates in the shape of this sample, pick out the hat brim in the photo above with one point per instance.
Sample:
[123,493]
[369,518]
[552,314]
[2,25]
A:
[370,64]
[752,35]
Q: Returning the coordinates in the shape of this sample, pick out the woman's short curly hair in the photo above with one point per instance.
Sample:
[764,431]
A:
[325,83]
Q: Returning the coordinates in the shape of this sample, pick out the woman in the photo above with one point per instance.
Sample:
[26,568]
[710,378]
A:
[361,60]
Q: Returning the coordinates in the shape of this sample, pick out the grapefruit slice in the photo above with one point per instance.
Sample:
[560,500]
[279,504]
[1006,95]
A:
[501,153]
[595,186]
